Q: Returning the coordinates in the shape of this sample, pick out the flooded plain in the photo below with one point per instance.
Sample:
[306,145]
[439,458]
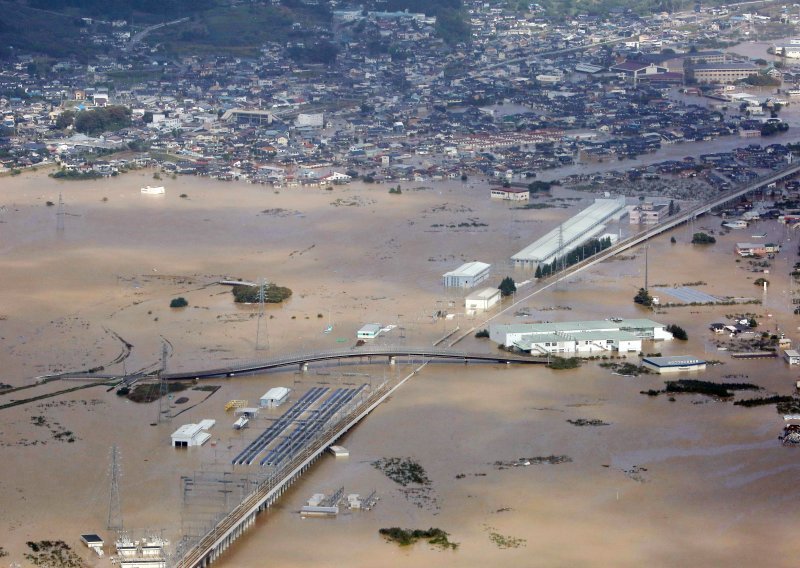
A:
[694,481]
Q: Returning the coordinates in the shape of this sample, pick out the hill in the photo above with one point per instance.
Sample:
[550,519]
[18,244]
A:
[54,27]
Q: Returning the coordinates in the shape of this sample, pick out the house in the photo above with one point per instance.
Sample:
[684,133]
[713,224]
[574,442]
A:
[337,177]
[717,327]
[751,249]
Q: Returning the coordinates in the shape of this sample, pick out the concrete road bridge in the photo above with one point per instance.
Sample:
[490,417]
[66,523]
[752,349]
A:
[364,355]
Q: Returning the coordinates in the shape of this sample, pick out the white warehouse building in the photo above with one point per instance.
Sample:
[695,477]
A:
[482,300]
[468,275]
[579,337]
[572,233]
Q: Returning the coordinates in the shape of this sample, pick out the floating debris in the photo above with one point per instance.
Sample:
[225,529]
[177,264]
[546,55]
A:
[540,460]
[588,422]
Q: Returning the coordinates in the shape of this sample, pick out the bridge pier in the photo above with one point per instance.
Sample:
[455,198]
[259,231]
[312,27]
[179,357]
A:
[304,366]
[392,360]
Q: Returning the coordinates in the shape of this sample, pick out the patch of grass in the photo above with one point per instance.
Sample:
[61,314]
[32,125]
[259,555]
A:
[504,541]
[402,470]
[152,391]
[407,537]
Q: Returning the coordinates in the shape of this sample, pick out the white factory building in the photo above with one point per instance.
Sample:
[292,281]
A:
[481,300]
[674,364]
[579,337]
[274,397]
[572,233]
[468,275]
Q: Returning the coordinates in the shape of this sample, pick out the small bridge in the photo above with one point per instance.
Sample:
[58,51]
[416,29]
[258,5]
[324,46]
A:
[365,355]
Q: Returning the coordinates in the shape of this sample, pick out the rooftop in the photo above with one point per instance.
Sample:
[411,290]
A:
[578,326]
[573,231]
[674,361]
[469,269]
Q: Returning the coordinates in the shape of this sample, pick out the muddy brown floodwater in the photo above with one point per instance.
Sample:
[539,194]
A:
[690,482]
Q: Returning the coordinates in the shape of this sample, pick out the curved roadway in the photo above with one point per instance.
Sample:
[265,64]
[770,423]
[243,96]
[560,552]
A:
[317,356]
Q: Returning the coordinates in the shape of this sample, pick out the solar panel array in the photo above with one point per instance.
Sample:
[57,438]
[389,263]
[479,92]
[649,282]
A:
[307,427]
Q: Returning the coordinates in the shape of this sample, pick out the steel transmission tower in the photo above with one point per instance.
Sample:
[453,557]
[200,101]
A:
[262,295]
[60,214]
[163,388]
[114,504]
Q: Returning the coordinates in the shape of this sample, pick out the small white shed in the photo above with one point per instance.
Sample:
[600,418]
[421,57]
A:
[369,331]
[190,435]
[274,397]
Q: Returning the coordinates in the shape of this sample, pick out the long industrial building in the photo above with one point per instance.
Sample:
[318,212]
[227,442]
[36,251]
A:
[579,337]
[571,233]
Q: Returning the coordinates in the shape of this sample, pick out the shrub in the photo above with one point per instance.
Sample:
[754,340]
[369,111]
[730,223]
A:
[560,363]
[482,333]
[703,239]
[178,303]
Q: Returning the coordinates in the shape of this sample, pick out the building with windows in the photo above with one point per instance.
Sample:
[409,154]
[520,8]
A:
[274,397]
[579,337]
[510,193]
[722,72]
[674,364]
[369,331]
[482,300]
[468,275]
[648,213]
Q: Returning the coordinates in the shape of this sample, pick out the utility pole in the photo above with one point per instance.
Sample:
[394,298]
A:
[114,504]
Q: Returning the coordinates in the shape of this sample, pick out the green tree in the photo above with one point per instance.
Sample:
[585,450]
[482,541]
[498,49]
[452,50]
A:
[507,286]
[677,332]
[65,119]
[643,298]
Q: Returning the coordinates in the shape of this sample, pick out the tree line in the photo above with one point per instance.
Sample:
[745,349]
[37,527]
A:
[589,248]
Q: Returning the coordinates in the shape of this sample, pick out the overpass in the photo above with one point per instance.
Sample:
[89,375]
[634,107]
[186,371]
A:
[381,353]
